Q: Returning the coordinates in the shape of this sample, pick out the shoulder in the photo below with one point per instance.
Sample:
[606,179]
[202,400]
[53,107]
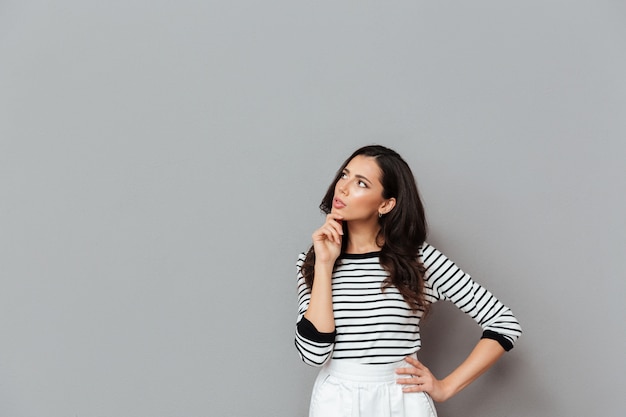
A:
[301,259]
[426,251]
[432,258]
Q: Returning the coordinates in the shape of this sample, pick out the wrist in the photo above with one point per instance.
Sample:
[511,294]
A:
[448,389]
[324,266]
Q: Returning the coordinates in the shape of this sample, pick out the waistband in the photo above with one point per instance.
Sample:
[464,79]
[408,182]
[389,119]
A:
[359,372]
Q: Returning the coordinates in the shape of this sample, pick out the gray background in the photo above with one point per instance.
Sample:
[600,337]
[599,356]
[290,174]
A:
[161,165]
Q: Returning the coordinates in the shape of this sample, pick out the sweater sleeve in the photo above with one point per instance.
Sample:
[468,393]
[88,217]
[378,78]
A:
[313,346]
[446,281]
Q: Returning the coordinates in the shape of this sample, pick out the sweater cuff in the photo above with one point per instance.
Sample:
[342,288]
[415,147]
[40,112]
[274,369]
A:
[504,342]
[308,331]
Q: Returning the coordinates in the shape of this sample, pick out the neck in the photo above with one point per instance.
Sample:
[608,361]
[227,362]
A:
[362,237]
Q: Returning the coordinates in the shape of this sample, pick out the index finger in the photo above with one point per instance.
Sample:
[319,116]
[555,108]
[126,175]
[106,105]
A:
[413,361]
[334,220]
[334,216]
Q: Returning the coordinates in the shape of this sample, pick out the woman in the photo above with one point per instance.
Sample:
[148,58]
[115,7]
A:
[365,284]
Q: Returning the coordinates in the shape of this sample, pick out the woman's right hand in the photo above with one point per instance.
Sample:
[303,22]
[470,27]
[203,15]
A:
[327,240]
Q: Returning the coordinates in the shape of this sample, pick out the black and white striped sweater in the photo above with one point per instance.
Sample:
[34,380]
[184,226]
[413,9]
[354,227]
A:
[377,326]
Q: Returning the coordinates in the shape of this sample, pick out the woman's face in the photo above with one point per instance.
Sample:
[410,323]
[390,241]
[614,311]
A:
[359,192]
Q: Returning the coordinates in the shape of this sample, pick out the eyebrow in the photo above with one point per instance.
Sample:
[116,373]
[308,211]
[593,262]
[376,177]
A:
[357,175]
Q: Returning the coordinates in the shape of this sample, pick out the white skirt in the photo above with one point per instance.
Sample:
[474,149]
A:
[348,389]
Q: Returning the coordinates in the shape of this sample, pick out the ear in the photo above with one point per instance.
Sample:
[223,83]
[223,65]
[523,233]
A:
[387,206]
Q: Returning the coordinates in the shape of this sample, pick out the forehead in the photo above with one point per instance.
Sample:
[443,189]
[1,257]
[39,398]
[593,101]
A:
[364,166]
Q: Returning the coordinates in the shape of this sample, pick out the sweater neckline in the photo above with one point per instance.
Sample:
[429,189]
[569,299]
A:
[360,255]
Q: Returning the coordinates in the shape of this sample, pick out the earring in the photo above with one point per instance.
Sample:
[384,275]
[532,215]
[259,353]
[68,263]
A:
[380,214]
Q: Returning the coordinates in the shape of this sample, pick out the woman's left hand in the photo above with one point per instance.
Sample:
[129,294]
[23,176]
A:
[420,379]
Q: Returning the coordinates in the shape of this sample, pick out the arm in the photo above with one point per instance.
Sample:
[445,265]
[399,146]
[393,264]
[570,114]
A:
[315,331]
[320,309]
[446,281]
[327,245]
[314,347]
[484,355]
[501,329]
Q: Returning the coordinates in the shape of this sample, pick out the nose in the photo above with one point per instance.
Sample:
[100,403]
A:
[342,189]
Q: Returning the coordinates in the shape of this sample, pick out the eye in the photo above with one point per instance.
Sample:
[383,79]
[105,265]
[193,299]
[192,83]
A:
[343,176]
[362,184]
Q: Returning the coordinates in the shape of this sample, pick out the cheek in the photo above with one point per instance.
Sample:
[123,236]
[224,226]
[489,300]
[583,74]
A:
[367,199]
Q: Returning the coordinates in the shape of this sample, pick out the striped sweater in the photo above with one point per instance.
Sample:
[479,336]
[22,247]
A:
[375,326]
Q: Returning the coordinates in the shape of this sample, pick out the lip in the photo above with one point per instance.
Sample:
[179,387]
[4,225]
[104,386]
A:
[338,204]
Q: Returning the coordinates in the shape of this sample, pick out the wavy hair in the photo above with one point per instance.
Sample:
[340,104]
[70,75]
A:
[403,230]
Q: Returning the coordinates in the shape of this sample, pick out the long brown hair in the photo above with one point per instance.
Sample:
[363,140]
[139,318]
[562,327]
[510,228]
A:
[403,230]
